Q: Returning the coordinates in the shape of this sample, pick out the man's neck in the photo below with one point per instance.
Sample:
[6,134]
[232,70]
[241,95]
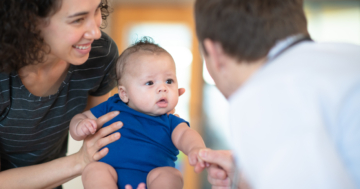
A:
[241,72]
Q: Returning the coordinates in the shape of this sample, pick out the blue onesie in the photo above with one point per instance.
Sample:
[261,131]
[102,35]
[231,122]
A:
[145,142]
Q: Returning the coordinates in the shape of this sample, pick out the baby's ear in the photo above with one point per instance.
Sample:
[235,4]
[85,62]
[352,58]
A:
[123,94]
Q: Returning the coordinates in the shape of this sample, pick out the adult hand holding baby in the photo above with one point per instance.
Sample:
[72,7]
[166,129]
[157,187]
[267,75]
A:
[195,161]
[89,152]
[220,167]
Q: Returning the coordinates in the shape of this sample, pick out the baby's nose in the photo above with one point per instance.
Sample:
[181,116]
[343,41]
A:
[162,89]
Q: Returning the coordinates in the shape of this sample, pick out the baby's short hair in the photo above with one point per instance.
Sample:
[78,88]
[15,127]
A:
[144,44]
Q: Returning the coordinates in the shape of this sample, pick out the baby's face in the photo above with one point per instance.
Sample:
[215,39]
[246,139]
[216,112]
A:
[150,83]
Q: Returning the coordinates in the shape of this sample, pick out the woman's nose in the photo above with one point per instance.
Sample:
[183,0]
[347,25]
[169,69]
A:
[93,28]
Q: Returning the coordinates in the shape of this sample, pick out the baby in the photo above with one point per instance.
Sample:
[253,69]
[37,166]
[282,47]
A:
[150,138]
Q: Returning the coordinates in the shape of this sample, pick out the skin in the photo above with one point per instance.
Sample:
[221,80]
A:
[157,80]
[228,74]
[221,169]
[75,24]
[61,170]
[152,74]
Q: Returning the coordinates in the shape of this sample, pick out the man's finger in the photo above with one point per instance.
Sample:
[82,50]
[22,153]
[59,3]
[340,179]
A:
[198,168]
[105,118]
[222,158]
[221,187]
[219,182]
[216,172]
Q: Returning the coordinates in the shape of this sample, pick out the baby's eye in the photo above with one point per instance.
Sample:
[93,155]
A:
[149,83]
[169,81]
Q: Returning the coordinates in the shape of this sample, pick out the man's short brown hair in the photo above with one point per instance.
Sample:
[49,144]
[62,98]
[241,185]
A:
[247,29]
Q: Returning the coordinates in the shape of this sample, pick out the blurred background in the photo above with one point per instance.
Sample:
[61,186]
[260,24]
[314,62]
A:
[170,23]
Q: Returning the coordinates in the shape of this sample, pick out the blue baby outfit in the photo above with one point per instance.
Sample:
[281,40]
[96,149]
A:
[145,142]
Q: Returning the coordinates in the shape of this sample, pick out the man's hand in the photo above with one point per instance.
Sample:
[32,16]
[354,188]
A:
[196,161]
[220,167]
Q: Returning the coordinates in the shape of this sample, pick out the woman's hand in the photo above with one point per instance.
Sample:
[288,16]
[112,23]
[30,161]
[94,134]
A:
[89,152]
[56,172]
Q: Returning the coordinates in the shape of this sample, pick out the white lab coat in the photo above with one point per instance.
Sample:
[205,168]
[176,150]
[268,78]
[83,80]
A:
[295,123]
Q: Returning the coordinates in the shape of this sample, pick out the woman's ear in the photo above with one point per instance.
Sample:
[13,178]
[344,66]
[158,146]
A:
[123,94]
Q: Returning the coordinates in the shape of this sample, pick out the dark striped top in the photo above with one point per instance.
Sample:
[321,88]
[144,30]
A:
[34,129]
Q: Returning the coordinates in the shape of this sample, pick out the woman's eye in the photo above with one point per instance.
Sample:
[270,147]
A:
[78,20]
[169,81]
[149,83]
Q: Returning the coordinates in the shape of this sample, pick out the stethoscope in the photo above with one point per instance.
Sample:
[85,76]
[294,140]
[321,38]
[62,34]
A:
[276,51]
[283,45]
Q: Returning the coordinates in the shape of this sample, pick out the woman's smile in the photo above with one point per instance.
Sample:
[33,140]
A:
[83,49]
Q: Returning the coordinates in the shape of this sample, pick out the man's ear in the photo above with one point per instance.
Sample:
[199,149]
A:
[215,52]
[123,94]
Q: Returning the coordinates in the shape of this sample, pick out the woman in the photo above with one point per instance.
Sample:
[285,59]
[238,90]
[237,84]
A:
[54,61]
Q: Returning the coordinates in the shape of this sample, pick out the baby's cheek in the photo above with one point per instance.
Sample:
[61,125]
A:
[173,103]
[175,98]
[145,103]
[142,102]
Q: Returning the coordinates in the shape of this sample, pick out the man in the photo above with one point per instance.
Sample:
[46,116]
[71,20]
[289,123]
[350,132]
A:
[294,103]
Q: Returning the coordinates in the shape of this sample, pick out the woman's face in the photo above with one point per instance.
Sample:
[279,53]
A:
[72,29]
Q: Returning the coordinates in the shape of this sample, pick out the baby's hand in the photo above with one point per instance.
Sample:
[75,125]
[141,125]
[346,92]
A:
[196,161]
[86,127]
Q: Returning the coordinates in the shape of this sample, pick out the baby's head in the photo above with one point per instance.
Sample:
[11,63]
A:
[146,78]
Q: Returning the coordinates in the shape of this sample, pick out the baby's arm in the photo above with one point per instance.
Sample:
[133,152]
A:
[190,142]
[82,125]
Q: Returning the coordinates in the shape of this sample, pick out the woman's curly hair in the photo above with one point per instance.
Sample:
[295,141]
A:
[20,41]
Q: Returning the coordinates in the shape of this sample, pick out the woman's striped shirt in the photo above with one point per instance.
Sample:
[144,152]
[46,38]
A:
[34,129]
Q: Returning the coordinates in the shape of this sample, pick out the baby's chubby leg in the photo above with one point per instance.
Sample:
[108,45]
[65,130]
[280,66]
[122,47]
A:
[99,175]
[165,178]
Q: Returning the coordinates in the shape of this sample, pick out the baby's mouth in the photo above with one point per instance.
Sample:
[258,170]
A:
[162,103]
